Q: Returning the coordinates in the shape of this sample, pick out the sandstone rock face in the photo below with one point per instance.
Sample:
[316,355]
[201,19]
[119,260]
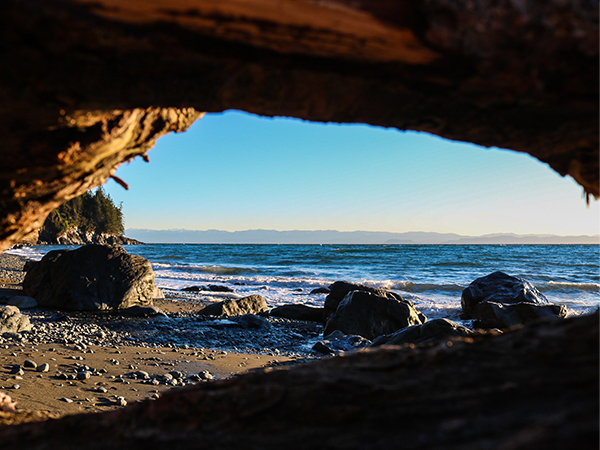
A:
[433,330]
[298,312]
[253,304]
[370,315]
[12,321]
[93,277]
[339,290]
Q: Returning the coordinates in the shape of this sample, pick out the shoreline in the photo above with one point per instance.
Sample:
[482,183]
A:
[128,359]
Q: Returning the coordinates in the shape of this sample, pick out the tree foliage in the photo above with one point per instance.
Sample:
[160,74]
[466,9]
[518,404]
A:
[90,212]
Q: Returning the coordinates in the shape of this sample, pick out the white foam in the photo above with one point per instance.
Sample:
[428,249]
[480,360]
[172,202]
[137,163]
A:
[26,252]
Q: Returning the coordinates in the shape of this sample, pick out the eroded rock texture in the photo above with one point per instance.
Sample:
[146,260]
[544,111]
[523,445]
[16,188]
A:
[88,84]
[533,388]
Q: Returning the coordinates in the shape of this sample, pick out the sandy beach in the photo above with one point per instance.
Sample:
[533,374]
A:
[102,391]
[83,378]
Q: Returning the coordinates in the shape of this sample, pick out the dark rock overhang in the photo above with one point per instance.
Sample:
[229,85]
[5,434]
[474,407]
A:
[89,84]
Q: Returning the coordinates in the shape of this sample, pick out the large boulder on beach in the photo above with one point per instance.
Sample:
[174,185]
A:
[498,315]
[339,290]
[499,300]
[93,277]
[434,330]
[298,312]
[253,304]
[370,315]
[12,321]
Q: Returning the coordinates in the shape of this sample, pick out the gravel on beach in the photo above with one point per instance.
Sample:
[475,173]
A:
[74,361]
[183,328]
[11,269]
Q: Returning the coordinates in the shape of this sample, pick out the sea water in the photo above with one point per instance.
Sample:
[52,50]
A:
[432,276]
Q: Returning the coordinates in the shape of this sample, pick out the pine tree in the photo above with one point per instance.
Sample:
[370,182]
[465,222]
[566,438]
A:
[91,212]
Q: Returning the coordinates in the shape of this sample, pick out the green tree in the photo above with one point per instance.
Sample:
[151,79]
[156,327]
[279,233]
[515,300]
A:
[91,212]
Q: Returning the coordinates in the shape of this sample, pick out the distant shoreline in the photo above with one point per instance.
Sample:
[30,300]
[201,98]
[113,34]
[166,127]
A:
[291,243]
[332,237]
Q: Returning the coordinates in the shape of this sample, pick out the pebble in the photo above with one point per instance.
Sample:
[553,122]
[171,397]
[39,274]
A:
[101,389]
[206,375]
[176,374]
[121,401]
[43,367]
[17,370]
[142,375]
[66,400]
[84,375]
[30,364]
[16,386]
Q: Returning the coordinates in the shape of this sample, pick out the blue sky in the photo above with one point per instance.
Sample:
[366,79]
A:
[236,171]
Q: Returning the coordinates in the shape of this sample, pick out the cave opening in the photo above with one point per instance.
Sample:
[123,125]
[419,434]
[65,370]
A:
[236,171]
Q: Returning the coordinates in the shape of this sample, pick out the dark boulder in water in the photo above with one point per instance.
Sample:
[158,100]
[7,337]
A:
[253,304]
[339,290]
[499,287]
[193,289]
[370,315]
[499,300]
[433,330]
[219,288]
[298,312]
[210,287]
[92,277]
[321,290]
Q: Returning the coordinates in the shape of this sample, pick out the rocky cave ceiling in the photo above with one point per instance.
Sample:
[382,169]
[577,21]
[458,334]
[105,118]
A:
[88,84]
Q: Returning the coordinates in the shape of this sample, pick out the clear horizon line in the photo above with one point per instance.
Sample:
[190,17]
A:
[365,231]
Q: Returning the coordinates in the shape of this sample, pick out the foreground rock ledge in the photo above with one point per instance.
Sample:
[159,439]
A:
[536,387]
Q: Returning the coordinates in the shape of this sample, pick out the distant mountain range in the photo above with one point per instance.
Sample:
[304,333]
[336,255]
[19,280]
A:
[175,236]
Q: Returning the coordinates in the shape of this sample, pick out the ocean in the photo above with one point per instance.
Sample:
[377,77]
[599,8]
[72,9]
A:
[432,276]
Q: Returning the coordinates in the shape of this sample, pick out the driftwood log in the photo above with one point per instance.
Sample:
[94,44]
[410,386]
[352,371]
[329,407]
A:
[88,84]
[534,388]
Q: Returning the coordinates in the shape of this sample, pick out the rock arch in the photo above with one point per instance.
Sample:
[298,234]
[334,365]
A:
[89,84]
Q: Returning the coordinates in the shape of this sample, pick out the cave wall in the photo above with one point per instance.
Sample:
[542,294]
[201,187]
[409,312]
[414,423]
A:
[89,84]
